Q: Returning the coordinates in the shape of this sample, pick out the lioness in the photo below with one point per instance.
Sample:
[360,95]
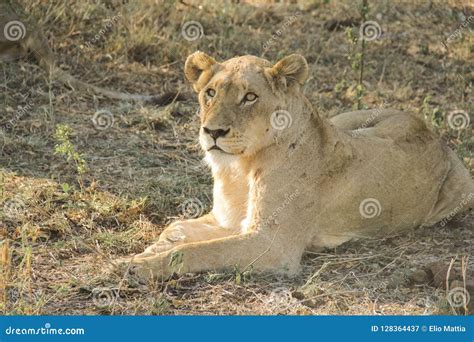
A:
[287,179]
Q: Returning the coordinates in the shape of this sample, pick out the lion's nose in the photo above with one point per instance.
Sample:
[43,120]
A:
[216,133]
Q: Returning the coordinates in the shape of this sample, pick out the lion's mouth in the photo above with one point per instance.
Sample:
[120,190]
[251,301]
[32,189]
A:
[217,148]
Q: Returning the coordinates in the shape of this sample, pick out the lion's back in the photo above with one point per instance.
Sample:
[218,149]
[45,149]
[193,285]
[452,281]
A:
[386,124]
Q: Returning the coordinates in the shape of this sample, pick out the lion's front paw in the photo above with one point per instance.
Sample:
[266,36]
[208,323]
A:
[144,267]
[172,236]
[140,272]
[120,267]
[156,248]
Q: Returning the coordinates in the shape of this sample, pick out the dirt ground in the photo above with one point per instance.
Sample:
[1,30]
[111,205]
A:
[62,222]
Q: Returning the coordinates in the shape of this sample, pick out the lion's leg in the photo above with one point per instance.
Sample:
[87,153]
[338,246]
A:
[188,231]
[254,250]
[456,195]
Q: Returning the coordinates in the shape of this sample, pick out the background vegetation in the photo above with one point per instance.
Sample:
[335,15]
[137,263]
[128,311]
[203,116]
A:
[85,179]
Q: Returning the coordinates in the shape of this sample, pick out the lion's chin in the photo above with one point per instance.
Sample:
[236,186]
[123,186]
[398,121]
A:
[218,159]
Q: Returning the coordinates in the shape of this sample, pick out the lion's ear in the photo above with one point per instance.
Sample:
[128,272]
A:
[291,69]
[198,69]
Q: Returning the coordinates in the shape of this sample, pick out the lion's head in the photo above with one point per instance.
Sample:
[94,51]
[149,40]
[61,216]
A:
[245,102]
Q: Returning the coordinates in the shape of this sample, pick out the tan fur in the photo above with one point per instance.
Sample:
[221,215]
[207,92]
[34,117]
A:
[278,192]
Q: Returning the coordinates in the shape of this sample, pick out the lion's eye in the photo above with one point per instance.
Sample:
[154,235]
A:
[210,92]
[249,97]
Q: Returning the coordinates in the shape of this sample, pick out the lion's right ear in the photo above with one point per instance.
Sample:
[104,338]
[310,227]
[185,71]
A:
[199,68]
[289,71]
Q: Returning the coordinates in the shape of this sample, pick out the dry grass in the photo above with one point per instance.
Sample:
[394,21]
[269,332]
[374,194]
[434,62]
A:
[66,228]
